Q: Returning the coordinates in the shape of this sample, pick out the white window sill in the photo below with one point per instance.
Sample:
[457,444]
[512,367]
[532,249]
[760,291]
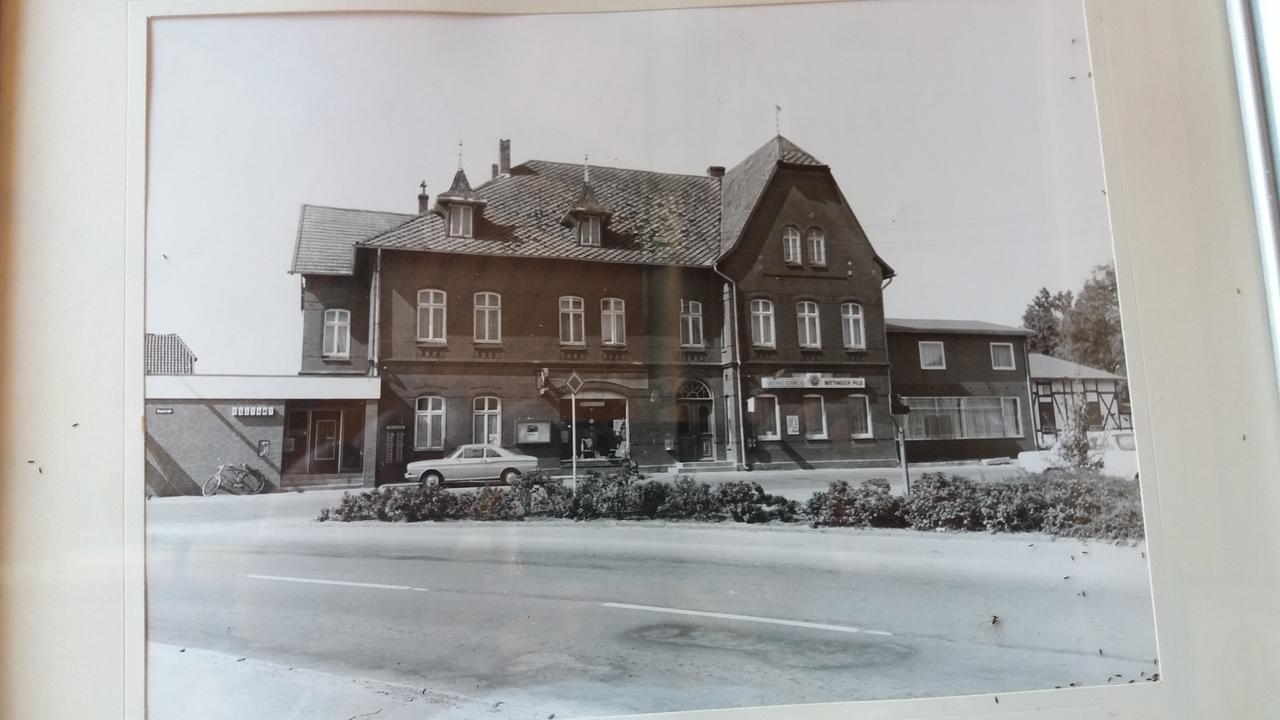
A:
[573,345]
[815,437]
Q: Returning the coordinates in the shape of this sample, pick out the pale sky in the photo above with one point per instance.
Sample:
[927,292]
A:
[962,132]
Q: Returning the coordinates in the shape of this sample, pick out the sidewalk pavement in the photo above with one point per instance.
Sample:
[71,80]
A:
[207,685]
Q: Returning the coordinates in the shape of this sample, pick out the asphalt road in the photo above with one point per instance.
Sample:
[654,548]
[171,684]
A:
[601,618]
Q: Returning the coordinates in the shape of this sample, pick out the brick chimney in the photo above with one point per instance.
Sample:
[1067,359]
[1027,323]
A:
[504,156]
[715,171]
[495,171]
[424,200]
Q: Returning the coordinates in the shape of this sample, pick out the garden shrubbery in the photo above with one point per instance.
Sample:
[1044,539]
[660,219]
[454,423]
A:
[1083,506]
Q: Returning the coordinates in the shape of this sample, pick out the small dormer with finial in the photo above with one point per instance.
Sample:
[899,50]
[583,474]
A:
[460,205]
[587,216]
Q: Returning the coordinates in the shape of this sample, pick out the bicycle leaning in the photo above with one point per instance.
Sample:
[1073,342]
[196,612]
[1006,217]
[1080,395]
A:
[239,479]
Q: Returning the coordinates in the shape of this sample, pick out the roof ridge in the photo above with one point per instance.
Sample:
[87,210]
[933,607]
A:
[615,167]
[358,210]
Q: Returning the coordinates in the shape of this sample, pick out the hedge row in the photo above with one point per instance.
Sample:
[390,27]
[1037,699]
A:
[1087,506]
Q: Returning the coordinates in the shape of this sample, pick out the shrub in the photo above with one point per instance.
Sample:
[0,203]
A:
[688,499]
[749,503]
[491,504]
[538,494]
[1093,506]
[938,502]
[869,505]
[647,498]
[1016,507]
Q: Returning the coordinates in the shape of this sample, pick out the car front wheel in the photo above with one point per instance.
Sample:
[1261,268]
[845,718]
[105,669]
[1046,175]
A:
[431,478]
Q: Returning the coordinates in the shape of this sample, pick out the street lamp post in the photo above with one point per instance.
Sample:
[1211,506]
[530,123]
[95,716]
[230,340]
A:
[899,410]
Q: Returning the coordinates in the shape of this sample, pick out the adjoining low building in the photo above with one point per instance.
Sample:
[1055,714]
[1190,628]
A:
[294,431]
[966,383]
[1061,387]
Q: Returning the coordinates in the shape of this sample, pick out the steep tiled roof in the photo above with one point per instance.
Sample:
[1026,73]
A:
[657,218]
[327,237]
[167,355]
[962,327]
[745,182]
[1052,368]
[653,217]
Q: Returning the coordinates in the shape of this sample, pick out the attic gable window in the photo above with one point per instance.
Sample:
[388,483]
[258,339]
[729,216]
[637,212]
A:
[461,219]
[589,230]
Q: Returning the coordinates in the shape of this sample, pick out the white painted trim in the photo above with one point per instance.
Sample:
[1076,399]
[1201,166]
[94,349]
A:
[1012,357]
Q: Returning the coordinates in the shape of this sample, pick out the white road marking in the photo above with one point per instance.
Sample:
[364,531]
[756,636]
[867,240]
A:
[747,618]
[345,583]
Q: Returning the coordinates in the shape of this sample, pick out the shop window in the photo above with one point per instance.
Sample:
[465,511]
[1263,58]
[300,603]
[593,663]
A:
[768,424]
[815,418]
[859,416]
[963,418]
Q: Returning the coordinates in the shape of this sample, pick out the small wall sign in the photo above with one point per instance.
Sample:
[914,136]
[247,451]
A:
[813,380]
[793,424]
[164,411]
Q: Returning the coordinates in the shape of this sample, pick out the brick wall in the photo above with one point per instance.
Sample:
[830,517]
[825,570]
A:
[185,447]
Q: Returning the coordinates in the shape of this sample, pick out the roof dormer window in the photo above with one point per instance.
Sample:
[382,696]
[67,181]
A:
[461,220]
[589,230]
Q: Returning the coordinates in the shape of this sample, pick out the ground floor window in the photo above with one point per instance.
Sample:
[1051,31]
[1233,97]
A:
[815,418]
[428,429]
[486,425]
[859,416]
[963,418]
[765,418]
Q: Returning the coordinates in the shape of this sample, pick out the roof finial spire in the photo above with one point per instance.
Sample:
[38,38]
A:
[586,168]
[459,153]
[423,185]
[777,120]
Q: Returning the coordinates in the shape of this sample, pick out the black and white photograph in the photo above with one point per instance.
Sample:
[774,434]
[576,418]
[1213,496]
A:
[583,365]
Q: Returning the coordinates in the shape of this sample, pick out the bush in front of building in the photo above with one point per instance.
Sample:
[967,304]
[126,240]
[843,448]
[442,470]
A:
[688,499]
[748,502]
[938,502]
[1093,506]
[539,494]
[867,505]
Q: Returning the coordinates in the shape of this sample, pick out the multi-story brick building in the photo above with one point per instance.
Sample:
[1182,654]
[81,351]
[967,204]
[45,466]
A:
[727,319]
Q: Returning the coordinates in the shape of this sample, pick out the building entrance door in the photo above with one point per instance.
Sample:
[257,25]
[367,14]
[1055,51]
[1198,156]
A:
[326,434]
[695,426]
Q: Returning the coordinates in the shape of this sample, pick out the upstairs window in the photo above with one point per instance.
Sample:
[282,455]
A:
[428,427]
[571,321]
[791,245]
[932,355]
[691,323]
[589,230]
[851,326]
[1002,357]
[807,324]
[336,342]
[488,322]
[460,220]
[613,322]
[762,334]
[817,247]
[431,315]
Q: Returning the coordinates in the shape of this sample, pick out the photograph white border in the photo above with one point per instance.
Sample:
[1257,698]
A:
[1177,182]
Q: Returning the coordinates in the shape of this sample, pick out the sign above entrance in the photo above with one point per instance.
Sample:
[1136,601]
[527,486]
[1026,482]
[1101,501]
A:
[813,380]
[573,382]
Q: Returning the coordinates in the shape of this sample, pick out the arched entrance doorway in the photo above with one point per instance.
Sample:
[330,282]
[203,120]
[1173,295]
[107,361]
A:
[695,423]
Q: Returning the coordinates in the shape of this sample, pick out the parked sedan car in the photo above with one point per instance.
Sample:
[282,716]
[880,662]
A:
[1116,449]
[471,463]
